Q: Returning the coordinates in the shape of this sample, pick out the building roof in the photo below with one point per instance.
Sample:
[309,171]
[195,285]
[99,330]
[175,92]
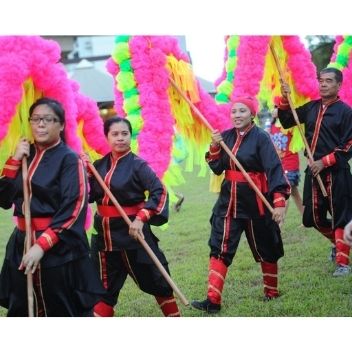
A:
[93,83]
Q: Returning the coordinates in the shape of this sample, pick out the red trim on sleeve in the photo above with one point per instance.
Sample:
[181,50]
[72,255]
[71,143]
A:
[47,239]
[329,160]
[279,200]
[11,168]
[80,200]
[214,149]
[283,104]
[214,153]
[161,204]
[145,214]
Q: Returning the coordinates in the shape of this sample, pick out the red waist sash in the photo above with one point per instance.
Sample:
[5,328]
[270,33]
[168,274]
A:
[110,211]
[258,179]
[37,224]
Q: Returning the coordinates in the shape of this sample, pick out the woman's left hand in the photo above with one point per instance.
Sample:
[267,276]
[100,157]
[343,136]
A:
[279,214]
[31,260]
[316,167]
[135,229]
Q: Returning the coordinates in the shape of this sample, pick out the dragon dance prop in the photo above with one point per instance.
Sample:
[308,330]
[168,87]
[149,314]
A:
[30,69]
[142,67]
[341,59]
[251,70]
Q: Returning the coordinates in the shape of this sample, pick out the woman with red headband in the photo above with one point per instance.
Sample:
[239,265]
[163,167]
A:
[239,209]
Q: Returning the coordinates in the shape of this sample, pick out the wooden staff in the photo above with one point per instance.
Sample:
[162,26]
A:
[224,146]
[28,238]
[141,240]
[295,116]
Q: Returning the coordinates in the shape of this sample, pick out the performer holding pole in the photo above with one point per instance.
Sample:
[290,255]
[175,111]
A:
[65,281]
[328,131]
[239,208]
[294,114]
[225,147]
[124,235]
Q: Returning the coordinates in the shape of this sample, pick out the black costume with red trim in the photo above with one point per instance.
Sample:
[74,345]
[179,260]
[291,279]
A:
[239,209]
[115,252]
[328,130]
[66,282]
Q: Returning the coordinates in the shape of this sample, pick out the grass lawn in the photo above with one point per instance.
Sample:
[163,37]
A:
[305,281]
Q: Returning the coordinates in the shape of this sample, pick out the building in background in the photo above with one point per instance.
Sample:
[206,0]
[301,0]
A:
[85,58]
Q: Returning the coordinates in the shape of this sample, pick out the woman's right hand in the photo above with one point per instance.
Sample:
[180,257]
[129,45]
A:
[216,137]
[285,89]
[22,149]
[85,158]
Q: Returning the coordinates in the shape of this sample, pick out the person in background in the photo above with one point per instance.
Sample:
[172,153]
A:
[115,248]
[238,207]
[328,130]
[65,281]
[290,160]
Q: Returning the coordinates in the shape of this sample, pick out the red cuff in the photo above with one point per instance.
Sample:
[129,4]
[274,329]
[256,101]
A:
[47,239]
[283,104]
[213,153]
[329,160]
[11,168]
[145,214]
[214,149]
[279,200]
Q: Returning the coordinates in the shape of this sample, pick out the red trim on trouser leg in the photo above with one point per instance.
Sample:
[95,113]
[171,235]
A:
[342,248]
[216,279]
[168,306]
[270,279]
[101,309]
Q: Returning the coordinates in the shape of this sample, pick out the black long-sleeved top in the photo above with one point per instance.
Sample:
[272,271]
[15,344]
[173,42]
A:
[256,153]
[58,192]
[133,183]
[328,131]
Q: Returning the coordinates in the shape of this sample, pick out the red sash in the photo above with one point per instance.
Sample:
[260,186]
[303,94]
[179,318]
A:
[258,179]
[110,211]
[38,224]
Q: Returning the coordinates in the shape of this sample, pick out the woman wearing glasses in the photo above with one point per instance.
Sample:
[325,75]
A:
[64,279]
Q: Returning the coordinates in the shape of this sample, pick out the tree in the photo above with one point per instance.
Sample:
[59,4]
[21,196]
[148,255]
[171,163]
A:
[321,47]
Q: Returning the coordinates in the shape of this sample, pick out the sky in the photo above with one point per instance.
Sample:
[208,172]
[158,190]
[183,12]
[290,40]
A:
[207,63]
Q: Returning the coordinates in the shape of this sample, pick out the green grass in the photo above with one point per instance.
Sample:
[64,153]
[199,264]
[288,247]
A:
[305,275]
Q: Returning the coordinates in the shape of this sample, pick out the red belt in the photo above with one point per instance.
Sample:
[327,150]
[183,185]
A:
[38,224]
[258,179]
[110,211]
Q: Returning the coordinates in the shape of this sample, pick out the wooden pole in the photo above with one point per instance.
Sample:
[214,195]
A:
[295,116]
[141,240]
[28,238]
[224,146]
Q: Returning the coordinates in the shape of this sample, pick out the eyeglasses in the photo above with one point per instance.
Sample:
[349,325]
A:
[35,119]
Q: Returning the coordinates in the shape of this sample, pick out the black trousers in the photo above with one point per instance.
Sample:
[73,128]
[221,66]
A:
[263,236]
[114,267]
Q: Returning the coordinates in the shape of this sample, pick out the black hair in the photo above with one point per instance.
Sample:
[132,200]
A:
[337,72]
[115,119]
[56,107]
